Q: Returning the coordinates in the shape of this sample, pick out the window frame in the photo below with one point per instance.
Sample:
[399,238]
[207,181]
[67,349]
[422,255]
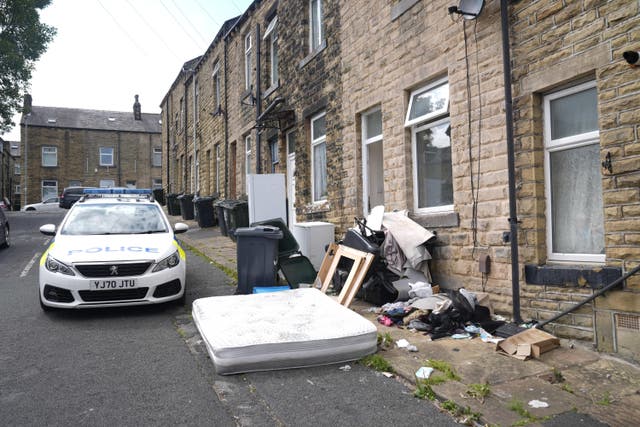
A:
[17,170]
[247,154]
[111,181]
[53,153]
[434,114]
[216,85]
[315,141]
[218,167]
[316,43]
[196,101]
[100,154]
[366,140]
[273,151]
[56,192]
[271,36]
[248,48]
[156,154]
[419,124]
[557,145]
[414,159]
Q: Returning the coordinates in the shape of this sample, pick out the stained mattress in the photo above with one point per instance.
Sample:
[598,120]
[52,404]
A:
[280,330]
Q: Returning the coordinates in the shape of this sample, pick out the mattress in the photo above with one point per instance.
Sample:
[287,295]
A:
[279,330]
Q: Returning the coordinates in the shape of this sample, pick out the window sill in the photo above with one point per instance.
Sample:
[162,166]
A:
[401,7]
[313,54]
[571,276]
[436,220]
[317,207]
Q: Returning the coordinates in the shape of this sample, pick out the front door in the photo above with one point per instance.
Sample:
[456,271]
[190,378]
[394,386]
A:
[291,178]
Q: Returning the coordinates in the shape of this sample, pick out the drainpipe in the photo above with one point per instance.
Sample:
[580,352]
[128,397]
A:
[167,127]
[195,175]
[186,142]
[513,214]
[258,102]
[226,124]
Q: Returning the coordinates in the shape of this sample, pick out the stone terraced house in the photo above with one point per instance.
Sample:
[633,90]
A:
[65,147]
[524,161]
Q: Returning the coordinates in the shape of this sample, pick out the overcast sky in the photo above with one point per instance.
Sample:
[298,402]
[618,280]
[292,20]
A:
[107,51]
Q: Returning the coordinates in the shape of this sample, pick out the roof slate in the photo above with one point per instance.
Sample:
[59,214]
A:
[76,118]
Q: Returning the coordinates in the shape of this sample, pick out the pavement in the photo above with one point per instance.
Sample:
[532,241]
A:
[574,384]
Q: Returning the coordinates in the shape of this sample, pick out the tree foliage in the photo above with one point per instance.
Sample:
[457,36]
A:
[23,38]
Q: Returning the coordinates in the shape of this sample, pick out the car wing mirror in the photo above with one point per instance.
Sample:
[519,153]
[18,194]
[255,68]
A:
[48,229]
[180,227]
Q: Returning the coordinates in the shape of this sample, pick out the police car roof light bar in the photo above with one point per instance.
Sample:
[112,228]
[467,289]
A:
[136,191]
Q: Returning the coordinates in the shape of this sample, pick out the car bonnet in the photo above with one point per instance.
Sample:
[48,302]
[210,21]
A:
[120,247]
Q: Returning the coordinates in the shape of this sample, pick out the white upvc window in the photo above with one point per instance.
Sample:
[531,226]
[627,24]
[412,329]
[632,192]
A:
[428,117]
[316,29]
[247,61]
[156,183]
[49,156]
[16,169]
[218,168]
[107,183]
[271,36]
[106,156]
[49,189]
[372,160]
[216,86]
[157,156]
[18,189]
[247,154]
[319,157]
[196,101]
[573,182]
[273,151]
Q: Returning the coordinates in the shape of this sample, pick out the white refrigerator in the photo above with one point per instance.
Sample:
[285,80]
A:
[267,197]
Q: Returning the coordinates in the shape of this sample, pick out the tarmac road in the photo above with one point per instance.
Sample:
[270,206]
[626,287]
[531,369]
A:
[148,366]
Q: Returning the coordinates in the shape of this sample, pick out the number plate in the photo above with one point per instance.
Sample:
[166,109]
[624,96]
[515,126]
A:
[104,285]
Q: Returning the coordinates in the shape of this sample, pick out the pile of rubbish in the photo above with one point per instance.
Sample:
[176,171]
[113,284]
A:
[456,314]
[399,282]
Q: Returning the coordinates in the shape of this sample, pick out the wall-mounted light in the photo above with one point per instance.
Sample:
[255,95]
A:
[632,57]
[469,9]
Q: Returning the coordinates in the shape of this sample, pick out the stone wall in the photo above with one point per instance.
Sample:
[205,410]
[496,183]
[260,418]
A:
[558,44]
[79,159]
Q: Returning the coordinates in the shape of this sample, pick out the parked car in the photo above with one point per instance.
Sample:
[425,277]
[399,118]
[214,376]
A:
[5,241]
[70,195]
[48,205]
[5,205]
[113,248]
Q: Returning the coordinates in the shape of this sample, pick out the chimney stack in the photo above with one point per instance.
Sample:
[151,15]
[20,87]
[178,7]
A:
[26,106]
[137,110]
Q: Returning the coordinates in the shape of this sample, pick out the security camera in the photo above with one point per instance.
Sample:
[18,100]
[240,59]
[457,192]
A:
[631,57]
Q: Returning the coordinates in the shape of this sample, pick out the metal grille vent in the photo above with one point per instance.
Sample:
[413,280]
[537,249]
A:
[628,321]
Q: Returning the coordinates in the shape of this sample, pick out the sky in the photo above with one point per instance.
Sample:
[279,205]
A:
[107,51]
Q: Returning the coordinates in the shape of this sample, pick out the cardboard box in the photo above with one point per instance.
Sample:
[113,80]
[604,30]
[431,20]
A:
[530,343]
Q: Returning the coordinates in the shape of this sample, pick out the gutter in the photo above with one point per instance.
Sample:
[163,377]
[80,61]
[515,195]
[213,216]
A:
[513,214]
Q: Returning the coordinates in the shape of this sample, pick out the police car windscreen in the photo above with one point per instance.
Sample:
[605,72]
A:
[100,219]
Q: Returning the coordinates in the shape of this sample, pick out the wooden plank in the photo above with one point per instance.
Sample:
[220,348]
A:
[326,263]
[357,281]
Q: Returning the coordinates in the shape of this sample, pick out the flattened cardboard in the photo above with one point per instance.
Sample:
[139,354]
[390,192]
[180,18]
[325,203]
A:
[530,343]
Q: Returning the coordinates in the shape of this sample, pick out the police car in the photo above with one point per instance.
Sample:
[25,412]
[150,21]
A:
[115,247]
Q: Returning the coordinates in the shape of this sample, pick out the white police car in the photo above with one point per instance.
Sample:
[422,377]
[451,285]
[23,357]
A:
[115,247]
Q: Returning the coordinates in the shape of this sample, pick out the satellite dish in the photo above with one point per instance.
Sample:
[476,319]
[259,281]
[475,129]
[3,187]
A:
[470,9]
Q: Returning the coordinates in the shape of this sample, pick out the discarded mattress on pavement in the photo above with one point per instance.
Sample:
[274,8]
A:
[280,330]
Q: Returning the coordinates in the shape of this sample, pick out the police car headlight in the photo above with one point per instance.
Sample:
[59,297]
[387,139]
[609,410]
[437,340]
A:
[56,266]
[169,262]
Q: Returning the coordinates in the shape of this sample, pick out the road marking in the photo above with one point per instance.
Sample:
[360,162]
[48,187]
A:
[30,264]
